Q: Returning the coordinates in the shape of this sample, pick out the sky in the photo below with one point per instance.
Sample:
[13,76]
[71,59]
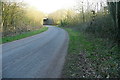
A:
[49,6]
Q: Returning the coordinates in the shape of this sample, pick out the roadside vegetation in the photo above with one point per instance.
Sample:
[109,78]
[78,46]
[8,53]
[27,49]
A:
[90,57]
[18,18]
[94,47]
[23,35]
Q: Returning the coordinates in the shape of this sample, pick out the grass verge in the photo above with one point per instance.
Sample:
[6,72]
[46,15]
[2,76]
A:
[20,36]
[90,57]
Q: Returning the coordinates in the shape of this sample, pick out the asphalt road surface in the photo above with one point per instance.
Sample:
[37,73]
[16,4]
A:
[38,56]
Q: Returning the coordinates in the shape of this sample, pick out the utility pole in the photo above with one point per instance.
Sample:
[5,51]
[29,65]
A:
[117,17]
[87,19]
[97,7]
[83,13]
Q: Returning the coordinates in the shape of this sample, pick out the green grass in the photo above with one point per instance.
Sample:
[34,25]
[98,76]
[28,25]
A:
[20,36]
[98,51]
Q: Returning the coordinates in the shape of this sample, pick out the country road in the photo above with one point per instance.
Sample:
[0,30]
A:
[38,56]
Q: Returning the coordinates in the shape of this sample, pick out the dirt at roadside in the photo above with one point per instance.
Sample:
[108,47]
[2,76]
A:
[78,66]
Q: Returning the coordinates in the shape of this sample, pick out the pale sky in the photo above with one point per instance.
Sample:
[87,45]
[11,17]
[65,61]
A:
[48,6]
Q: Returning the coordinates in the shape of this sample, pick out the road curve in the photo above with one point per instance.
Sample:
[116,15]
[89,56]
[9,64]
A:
[38,56]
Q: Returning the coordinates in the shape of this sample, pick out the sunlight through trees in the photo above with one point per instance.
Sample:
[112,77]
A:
[18,18]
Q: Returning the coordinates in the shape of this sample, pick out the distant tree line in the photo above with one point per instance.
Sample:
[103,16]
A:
[18,18]
[103,23]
